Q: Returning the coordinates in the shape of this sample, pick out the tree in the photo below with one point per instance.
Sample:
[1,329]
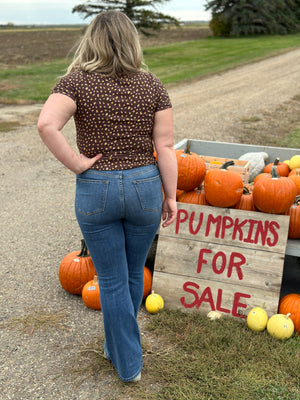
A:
[253,17]
[143,13]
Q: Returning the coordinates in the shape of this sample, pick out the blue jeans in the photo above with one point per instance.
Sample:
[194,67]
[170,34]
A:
[119,213]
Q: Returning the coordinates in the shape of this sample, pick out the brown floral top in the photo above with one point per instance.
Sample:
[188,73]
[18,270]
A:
[115,116]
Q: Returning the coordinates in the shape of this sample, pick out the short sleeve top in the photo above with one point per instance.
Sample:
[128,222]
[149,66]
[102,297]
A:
[115,116]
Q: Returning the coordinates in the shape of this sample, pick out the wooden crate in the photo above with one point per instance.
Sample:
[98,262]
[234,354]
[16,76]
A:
[241,167]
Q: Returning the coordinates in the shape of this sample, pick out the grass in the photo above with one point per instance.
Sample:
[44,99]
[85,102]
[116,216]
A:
[189,60]
[37,320]
[291,140]
[32,83]
[189,357]
[173,63]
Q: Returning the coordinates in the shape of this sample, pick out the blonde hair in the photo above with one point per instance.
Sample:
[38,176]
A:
[109,46]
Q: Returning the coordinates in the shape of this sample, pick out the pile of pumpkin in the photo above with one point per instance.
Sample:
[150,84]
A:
[276,190]
[77,275]
[281,325]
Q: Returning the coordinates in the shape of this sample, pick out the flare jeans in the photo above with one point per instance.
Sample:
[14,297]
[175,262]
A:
[119,213]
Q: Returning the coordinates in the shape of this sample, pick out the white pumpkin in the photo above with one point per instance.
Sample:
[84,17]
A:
[212,315]
[258,163]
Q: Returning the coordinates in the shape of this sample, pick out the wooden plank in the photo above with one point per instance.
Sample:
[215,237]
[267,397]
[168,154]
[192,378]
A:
[206,295]
[256,230]
[220,263]
[221,259]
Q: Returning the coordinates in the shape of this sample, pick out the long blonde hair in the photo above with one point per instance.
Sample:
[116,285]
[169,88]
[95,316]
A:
[109,46]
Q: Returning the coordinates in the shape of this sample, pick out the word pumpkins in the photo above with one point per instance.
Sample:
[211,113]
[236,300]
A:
[76,269]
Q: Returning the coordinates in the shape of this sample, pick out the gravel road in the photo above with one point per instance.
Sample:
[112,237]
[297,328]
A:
[38,228]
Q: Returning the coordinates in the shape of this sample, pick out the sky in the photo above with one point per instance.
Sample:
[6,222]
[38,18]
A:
[43,12]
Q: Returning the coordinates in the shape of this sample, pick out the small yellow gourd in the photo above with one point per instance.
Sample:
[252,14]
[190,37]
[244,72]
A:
[280,326]
[154,303]
[294,162]
[257,319]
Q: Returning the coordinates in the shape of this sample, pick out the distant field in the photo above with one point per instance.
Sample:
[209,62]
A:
[35,45]
[32,59]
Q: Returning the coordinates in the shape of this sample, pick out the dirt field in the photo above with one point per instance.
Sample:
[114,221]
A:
[42,45]
[45,332]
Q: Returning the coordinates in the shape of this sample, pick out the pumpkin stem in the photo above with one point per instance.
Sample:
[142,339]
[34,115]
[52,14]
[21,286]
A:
[95,281]
[245,190]
[187,149]
[84,250]
[274,173]
[227,164]
[276,162]
[297,200]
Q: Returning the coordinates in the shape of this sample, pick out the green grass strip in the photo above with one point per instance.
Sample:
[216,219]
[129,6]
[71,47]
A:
[183,61]
[172,63]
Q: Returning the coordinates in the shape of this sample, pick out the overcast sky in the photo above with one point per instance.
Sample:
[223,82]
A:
[29,12]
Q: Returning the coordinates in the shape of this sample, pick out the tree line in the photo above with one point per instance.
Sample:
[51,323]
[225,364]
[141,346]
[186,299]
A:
[229,17]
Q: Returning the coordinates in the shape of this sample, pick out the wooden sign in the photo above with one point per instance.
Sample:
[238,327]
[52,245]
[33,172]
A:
[219,259]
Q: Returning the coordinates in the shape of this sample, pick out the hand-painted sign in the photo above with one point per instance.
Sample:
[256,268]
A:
[221,259]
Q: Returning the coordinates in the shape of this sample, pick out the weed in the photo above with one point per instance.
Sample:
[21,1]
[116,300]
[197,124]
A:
[37,320]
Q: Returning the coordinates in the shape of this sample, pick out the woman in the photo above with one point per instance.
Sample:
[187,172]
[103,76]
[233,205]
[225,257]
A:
[119,112]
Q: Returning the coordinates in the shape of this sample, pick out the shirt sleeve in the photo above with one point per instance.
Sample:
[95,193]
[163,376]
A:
[163,98]
[66,86]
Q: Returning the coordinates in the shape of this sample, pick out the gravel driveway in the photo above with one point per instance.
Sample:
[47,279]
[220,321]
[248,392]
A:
[38,226]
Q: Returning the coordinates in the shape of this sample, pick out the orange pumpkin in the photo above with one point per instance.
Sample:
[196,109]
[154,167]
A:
[282,168]
[294,171]
[246,201]
[191,169]
[274,194]
[223,187]
[296,178]
[290,304]
[91,294]
[178,193]
[294,213]
[196,196]
[260,176]
[147,282]
[76,269]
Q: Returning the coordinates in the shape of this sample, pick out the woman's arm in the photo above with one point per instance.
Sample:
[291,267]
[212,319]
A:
[163,137]
[56,112]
